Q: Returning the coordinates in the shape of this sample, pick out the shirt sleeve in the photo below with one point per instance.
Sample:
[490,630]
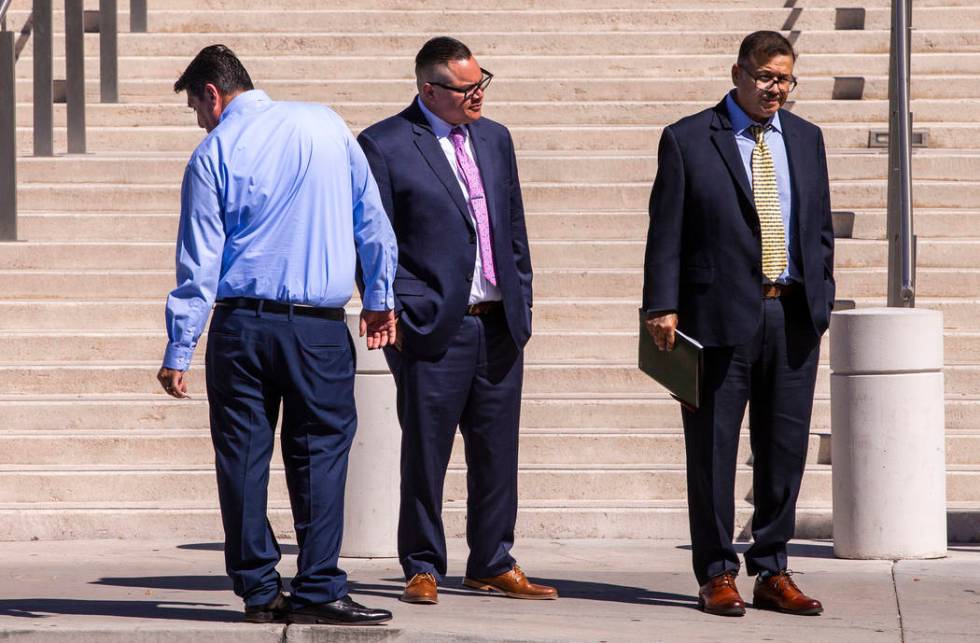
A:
[200,244]
[377,249]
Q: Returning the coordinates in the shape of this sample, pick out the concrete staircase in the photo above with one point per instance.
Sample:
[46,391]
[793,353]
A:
[89,447]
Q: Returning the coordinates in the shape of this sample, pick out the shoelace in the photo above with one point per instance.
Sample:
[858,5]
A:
[419,577]
[786,578]
[519,572]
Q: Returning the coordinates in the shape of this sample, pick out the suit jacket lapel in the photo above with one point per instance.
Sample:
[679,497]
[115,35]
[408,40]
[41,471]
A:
[724,139]
[484,161]
[429,147]
[791,139]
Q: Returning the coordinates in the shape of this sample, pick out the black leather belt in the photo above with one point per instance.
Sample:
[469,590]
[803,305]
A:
[483,308]
[269,306]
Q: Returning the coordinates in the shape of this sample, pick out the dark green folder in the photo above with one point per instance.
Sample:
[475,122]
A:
[678,370]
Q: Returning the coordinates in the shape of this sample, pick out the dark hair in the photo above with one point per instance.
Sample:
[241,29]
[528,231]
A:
[440,51]
[762,46]
[217,65]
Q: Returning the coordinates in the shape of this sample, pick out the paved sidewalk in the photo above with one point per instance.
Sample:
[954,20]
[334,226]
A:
[115,591]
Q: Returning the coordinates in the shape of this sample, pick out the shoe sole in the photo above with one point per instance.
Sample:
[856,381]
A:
[483,587]
[300,619]
[419,601]
[771,607]
[732,611]
[265,618]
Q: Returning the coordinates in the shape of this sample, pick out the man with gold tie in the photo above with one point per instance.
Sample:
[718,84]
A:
[740,257]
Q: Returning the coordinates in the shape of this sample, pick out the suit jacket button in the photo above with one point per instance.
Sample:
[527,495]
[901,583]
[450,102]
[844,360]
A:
[469,277]
[472,239]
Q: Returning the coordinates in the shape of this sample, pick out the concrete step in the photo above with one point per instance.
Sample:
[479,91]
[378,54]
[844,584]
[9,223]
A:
[579,314]
[582,379]
[538,20]
[201,522]
[300,65]
[589,283]
[851,282]
[283,5]
[548,255]
[535,167]
[537,112]
[557,226]
[869,223]
[546,346]
[705,90]
[522,42]
[527,138]
[118,483]
[102,413]
[181,447]
[539,447]
[538,196]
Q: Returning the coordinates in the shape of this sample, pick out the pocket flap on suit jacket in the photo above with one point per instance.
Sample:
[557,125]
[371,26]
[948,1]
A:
[409,287]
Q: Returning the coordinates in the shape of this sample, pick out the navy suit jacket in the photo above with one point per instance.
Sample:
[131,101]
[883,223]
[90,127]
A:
[436,238]
[704,253]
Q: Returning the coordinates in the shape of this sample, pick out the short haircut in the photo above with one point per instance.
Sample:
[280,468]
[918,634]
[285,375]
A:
[762,46]
[439,51]
[217,65]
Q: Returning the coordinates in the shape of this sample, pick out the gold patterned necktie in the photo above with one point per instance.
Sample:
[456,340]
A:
[766,196]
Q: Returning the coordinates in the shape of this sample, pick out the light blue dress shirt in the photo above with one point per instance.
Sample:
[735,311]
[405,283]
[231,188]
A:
[741,122]
[278,202]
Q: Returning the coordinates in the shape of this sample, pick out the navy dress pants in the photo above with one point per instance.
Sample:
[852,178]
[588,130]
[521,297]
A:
[775,373]
[255,361]
[475,384]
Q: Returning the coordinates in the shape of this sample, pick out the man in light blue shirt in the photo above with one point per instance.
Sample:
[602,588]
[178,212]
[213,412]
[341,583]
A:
[278,205]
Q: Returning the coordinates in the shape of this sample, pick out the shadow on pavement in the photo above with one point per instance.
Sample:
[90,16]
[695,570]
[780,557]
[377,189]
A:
[583,590]
[190,583]
[286,549]
[168,610]
[800,550]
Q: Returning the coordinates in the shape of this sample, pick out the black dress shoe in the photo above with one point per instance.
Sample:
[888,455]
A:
[274,611]
[342,611]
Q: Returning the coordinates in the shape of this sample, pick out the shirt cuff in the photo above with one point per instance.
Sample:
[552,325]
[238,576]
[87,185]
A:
[378,300]
[177,358]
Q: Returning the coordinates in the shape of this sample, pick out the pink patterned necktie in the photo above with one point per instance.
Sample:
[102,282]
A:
[478,201]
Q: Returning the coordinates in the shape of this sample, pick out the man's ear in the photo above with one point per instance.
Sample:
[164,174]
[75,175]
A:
[735,74]
[212,98]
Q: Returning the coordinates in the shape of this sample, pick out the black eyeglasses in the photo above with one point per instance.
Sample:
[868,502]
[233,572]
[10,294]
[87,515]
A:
[767,81]
[469,90]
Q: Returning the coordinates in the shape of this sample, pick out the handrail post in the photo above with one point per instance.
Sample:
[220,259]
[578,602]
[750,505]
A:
[108,51]
[137,16]
[75,74]
[8,139]
[43,79]
[900,232]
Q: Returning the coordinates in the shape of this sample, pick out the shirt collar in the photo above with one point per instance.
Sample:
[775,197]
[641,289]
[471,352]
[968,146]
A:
[742,121]
[243,102]
[439,127]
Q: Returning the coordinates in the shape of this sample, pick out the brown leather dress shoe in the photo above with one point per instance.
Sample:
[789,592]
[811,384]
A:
[720,597]
[421,588]
[513,584]
[779,593]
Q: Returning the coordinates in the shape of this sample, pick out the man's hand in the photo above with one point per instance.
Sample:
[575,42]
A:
[661,329]
[173,382]
[380,328]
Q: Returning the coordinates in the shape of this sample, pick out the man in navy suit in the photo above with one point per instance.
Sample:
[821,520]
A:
[448,180]
[740,256]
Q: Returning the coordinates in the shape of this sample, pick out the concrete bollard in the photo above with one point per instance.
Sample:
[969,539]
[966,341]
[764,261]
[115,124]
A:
[373,474]
[888,433]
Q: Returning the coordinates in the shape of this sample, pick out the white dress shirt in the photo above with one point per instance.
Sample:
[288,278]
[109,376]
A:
[481,289]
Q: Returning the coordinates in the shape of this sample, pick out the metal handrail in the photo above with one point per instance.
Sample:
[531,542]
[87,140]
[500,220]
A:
[4,5]
[901,235]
